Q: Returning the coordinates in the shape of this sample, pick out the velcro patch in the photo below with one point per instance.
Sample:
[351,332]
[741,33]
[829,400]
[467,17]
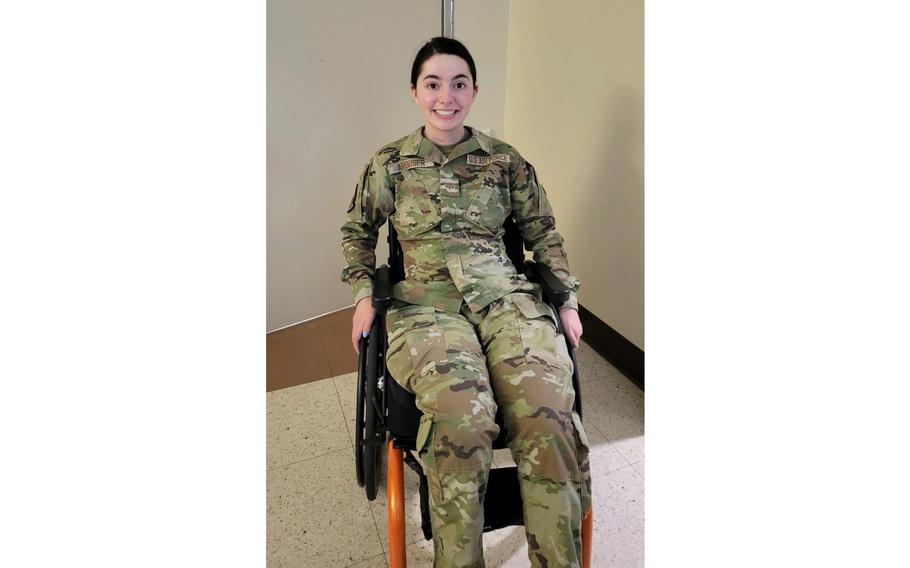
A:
[448,183]
[505,158]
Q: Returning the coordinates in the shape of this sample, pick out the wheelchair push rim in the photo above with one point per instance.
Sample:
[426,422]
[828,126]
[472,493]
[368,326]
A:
[370,432]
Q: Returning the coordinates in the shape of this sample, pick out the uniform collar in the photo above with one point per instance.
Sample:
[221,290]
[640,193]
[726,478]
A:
[416,145]
[411,143]
[484,141]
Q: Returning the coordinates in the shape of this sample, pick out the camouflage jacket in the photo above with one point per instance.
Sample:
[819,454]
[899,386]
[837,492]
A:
[448,212]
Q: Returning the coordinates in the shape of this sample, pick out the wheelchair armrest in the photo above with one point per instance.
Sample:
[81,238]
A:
[554,291]
[382,288]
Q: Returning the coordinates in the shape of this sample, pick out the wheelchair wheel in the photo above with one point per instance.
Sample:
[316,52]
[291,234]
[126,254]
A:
[358,417]
[373,435]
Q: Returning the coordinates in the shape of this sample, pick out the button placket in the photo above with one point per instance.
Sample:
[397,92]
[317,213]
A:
[449,184]
[449,192]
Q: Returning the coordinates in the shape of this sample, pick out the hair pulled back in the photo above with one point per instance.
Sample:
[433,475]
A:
[444,45]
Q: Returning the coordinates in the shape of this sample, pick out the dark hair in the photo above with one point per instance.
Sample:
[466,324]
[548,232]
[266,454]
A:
[445,45]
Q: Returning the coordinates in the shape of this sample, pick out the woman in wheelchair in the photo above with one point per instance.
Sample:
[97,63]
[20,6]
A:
[467,333]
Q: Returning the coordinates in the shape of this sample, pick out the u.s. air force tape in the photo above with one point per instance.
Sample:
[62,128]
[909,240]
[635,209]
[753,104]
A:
[474,160]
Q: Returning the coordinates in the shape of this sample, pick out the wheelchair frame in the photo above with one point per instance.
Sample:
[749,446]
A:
[387,416]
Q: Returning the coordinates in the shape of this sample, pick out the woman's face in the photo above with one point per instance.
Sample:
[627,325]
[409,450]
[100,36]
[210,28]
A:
[444,92]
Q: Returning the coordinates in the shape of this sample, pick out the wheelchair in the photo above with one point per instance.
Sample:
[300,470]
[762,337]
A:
[387,417]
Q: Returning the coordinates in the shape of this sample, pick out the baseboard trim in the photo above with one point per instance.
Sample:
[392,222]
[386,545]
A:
[612,346]
[308,319]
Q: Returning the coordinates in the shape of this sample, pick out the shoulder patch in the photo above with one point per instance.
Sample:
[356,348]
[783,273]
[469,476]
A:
[367,171]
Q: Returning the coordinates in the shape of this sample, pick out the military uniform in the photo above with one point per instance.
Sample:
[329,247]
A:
[467,332]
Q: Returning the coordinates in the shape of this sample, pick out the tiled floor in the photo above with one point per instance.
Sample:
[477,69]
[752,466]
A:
[318,517]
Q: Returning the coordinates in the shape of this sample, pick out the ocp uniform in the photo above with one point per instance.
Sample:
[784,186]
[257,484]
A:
[465,326]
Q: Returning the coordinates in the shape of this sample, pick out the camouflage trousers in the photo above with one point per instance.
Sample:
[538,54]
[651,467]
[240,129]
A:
[460,366]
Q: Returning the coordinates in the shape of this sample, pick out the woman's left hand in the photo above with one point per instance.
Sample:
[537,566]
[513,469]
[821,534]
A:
[571,325]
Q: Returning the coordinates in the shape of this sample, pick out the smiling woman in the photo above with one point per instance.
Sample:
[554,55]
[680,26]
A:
[467,333]
[444,91]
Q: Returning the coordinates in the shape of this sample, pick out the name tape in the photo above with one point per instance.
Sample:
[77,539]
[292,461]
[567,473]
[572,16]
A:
[408,164]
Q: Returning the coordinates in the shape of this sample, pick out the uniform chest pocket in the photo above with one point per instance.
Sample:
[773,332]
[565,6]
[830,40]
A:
[415,211]
[490,203]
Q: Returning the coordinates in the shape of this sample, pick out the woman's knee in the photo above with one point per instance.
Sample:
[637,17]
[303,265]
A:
[548,444]
[461,406]
[452,443]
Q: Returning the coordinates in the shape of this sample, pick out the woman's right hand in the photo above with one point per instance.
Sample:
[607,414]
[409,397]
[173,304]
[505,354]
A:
[363,321]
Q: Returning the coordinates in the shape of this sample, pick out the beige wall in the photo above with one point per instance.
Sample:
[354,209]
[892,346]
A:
[574,108]
[562,82]
[337,89]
